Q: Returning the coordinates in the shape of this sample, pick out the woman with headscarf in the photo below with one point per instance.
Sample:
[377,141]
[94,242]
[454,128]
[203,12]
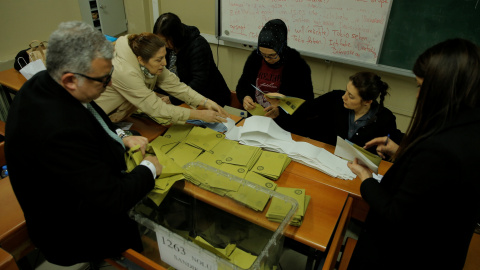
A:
[274,68]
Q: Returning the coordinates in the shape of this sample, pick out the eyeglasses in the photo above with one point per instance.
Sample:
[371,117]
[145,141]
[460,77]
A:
[268,56]
[105,79]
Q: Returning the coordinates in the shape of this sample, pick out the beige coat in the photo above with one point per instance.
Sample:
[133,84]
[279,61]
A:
[131,90]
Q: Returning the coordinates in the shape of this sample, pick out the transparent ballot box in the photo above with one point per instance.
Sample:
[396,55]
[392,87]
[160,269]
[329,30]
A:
[213,220]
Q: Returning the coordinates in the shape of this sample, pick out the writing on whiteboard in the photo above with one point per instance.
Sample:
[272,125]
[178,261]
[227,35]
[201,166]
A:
[350,29]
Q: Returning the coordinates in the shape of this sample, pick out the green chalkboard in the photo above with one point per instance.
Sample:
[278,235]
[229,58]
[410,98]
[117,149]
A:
[415,25]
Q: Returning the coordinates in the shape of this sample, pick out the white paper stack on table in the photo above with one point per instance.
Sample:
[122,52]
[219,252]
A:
[264,132]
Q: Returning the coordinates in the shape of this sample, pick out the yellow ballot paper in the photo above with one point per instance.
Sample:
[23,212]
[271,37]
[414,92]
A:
[178,132]
[222,148]
[184,153]
[251,197]
[163,144]
[288,104]
[260,180]
[169,167]
[349,151]
[204,138]
[278,208]
[259,110]
[271,164]
[243,155]
[133,157]
[210,160]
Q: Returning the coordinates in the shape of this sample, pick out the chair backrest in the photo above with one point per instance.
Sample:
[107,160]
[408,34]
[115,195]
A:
[234,101]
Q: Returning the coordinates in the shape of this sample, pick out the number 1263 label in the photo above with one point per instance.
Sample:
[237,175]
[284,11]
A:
[175,251]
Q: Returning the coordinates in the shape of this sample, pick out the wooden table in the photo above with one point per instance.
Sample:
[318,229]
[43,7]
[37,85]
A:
[360,207]
[13,230]
[322,215]
[325,207]
[11,81]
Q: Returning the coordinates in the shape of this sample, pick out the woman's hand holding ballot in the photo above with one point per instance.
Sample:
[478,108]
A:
[385,146]
[361,171]
[248,103]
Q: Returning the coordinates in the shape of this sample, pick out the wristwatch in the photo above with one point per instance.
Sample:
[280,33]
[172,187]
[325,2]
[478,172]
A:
[121,133]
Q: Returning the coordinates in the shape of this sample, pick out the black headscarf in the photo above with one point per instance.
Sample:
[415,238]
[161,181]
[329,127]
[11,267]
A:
[274,36]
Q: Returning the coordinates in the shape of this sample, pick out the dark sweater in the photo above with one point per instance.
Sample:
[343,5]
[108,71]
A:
[296,81]
[196,68]
[325,118]
[424,211]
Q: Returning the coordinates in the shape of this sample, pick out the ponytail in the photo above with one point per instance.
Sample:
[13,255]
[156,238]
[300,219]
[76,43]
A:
[370,86]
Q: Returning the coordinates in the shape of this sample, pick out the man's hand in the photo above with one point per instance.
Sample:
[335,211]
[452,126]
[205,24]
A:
[154,161]
[132,141]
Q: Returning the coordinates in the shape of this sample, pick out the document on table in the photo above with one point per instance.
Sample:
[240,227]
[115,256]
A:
[348,151]
[288,104]
[258,110]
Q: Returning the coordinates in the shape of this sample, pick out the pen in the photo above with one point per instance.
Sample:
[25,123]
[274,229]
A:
[388,137]
[243,118]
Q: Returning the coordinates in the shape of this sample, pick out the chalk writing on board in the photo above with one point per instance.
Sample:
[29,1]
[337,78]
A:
[351,29]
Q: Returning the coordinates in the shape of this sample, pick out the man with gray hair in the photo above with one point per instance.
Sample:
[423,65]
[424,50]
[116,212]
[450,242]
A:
[65,160]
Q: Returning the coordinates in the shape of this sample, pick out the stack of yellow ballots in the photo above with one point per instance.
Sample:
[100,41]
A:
[222,183]
[171,172]
[278,209]
[271,164]
[231,253]
[235,159]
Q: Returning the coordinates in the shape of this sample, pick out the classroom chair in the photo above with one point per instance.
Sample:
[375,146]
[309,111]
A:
[234,101]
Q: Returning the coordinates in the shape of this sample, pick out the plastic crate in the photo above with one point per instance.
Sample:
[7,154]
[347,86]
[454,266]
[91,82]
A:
[221,221]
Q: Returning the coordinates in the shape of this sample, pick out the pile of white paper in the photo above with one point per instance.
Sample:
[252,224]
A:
[263,132]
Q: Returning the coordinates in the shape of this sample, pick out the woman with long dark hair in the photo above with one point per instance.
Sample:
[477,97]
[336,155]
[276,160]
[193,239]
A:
[190,57]
[424,211]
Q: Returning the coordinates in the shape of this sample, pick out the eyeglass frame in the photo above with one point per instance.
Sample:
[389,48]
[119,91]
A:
[104,79]
[268,56]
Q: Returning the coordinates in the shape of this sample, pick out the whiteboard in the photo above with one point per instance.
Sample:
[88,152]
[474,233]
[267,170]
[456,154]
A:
[352,30]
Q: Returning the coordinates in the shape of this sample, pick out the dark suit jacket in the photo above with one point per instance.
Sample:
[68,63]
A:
[67,175]
[423,213]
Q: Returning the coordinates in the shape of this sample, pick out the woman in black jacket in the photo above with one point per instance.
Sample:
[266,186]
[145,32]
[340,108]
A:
[424,211]
[274,68]
[189,56]
[353,114]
